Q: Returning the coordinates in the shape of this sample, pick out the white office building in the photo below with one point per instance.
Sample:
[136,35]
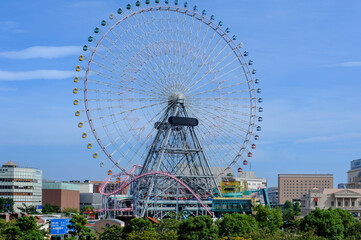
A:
[253,182]
[23,185]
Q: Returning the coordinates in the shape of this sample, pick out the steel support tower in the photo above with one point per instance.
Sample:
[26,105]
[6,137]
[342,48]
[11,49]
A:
[176,150]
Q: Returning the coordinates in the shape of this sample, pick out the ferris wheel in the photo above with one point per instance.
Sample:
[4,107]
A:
[146,57]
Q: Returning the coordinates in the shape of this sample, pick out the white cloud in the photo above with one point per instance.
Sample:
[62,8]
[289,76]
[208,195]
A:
[345,64]
[47,52]
[36,74]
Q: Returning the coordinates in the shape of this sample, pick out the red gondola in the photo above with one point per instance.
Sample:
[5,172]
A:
[253,146]
[249,154]
[239,170]
[245,162]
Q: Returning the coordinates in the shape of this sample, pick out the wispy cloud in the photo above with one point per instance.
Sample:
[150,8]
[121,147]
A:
[11,26]
[36,74]
[345,64]
[48,52]
[7,89]
[340,137]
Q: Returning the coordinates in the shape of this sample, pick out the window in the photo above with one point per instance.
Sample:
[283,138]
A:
[332,203]
[339,203]
[352,203]
[346,203]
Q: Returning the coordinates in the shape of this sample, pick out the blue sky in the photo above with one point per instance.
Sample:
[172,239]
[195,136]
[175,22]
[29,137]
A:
[307,54]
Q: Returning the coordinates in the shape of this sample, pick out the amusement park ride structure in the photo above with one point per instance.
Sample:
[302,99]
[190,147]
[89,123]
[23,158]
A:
[169,97]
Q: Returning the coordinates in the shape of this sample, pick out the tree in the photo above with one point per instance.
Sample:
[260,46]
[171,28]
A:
[198,228]
[138,225]
[114,232]
[233,225]
[78,228]
[24,228]
[297,209]
[353,231]
[269,219]
[288,213]
[6,204]
[49,208]
[346,217]
[325,223]
[28,209]
[70,211]
[168,229]
[146,235]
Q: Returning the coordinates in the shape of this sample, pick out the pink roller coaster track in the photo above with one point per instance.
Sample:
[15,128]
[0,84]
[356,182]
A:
[124,184]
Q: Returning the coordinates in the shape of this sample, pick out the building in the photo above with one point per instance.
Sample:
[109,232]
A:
[253,182]
[91,200]
[342,185]
[111,187]
[348,199]
[354,174]
[273,195]
[84,187]
[21,184]
[292,186]
[64,195]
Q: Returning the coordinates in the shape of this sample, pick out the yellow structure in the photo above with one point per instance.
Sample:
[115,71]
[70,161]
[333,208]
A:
[232,186]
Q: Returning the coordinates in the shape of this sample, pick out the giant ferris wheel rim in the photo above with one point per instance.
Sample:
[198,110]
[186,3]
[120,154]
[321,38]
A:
[223,34]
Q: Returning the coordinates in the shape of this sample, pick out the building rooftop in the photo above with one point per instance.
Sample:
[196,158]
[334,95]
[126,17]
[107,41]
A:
[60,185]
[10,164]
[305,175]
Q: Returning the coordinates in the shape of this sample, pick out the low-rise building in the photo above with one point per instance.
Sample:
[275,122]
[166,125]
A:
[21,184]
[64,195]
[354,174]
[348,199]
[273,196]
[253,182]
[91,200]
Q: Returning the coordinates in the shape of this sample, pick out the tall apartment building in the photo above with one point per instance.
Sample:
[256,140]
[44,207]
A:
[23,185]
[294,186]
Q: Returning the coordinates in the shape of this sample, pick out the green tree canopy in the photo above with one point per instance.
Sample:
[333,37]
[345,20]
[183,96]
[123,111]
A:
[269,219]
[297,209]
[114,232]
[79,230]
[49,208]
[24,228]
[6,204]
[198,228]
[168,229]
[325,223]
[235,224]
[28,209]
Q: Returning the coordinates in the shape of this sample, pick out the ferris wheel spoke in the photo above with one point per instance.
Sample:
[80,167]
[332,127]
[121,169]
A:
[154,70]
[129,110]
[212,68]
[135,135]
[159,30]
[223,81]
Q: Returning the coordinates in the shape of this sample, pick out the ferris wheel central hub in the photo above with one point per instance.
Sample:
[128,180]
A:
[176,97]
